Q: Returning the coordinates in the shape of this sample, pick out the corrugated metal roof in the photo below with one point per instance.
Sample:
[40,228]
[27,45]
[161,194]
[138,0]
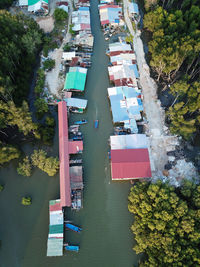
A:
[75,147]
[57,228]
[76,102]
[129,141]
[130,164]
[65,190]
[133,8]
[75,79]
[76,174]
[55,218]
[23,2]
[54,247]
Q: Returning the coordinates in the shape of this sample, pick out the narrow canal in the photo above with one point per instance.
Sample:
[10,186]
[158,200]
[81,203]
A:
[106,239]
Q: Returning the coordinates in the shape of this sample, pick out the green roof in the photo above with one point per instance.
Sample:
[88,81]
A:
[56,229]
[75,79]
[33,2]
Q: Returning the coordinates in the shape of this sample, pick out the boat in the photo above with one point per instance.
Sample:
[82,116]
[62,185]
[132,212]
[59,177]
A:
[75,161]
[73,227]
[96,123]
[81,122]
[71,248]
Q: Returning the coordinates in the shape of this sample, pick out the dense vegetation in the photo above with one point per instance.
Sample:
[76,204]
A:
[166,223]
[5,3]
[175,58]
[20,42]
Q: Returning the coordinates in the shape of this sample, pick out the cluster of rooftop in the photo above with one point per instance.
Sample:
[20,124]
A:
[35,5]
[129,153]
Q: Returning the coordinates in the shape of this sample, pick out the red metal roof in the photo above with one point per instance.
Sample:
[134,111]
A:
[130,164]
[65,189]
[75,147]
[55,207]
[104,22]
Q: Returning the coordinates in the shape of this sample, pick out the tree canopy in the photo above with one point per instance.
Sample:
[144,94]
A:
[166,223]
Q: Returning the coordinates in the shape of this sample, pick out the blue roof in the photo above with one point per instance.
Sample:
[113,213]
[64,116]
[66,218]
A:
[133,8]
[85,8]
[113,14]
[134,68]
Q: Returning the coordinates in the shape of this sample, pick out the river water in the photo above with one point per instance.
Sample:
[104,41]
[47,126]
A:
[106,239]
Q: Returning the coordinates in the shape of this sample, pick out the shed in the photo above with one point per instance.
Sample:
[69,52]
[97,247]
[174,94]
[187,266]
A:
[65,190]
[129,141]
[128,164]
[76,176]
[75,147]
[75,79]
[76,102]
[133,9]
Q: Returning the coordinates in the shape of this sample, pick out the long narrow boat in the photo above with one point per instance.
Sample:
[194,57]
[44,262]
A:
[73,227]
[80,122]
[71,248]
[96,123]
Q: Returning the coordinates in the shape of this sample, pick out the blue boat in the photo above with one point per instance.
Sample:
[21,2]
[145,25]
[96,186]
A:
[96,123]
[81,122]
[72,248]
[73,227]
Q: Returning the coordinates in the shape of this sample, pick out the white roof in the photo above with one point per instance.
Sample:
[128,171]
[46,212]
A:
[65,8]
[119,47]
[68,55]
[129,141]
[23,2]
[76,102]
[35,7]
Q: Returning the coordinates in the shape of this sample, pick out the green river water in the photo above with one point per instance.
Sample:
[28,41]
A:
[106,239]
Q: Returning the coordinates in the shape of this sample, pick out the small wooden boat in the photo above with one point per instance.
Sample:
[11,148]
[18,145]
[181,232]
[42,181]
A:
[96,123]
[81,122]
[71,248]
[73,227]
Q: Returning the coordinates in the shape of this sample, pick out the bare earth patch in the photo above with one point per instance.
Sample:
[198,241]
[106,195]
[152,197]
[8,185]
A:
[46,23]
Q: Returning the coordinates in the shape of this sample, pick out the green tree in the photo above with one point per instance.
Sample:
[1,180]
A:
[60,15]
[41,106]
[26,201]
[7,153]
[1,187]
[49,64]
[166,223]
[25,167]
[49,165]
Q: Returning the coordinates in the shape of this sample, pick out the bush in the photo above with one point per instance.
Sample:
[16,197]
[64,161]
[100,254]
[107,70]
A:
[26,201]
[66,48]
[49,64]
[25,167]
[1,187]
[60,15]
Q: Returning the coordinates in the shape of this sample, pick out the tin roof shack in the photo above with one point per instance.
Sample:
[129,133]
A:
[63,5]
[81,3]
[76,105]
[65,190]
[75,79]
[56,229]
[75,147]
[110,15]
[126,74]
[107,2]
[84,39]
[128,164]
[126,106]
[76,176]
[129,141]
[23,3]
[81,19]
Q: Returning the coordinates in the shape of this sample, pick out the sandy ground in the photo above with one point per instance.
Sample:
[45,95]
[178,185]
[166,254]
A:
[53,80]
[160,140]
[46,23]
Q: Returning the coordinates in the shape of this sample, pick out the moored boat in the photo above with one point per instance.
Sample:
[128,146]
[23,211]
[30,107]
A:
[73,227]
[96,123]
[81,122]
[71,248]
